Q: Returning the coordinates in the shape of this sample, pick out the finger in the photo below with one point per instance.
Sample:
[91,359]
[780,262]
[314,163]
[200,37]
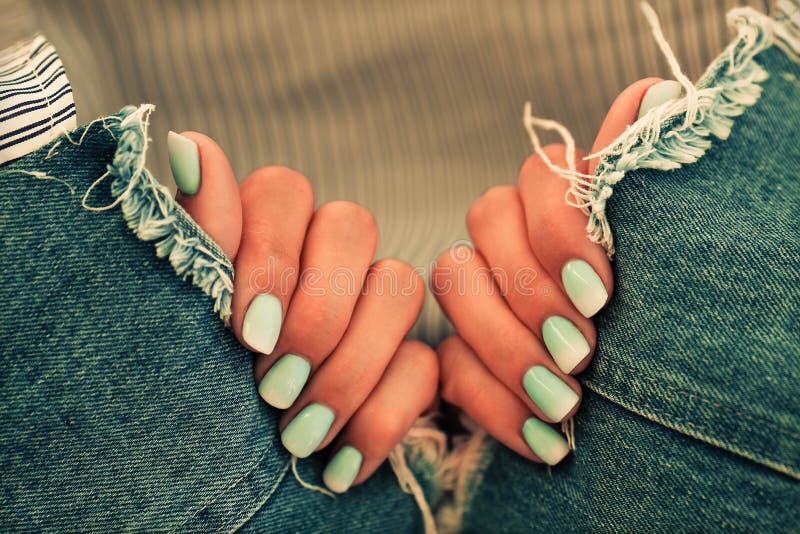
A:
[386,310]
[496,222]
[633,102]
[463,285]
[207,188]
[407,387]
[468,384]
[557,234]
[277,203]
[337,252]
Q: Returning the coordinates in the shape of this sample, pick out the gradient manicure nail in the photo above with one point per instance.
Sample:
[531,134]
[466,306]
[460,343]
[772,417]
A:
[564,342]
[658,94]
[545,441]
[555,398]
[262,323]
[342,469]
[307,430]
[283,383]
[184,158]
[584,287]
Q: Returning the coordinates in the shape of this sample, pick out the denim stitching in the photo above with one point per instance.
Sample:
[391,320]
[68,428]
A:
[208,504]
[761,421]
[245,514]
[675,421]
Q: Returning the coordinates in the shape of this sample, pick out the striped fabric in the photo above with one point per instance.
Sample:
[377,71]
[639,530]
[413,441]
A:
[35,98]
[410,107]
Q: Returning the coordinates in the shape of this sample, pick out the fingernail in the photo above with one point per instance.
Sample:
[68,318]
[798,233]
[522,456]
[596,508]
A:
[184,158]
[342,469]
[564,342]
[584,287]
[284,381]
[550,393]
[658,94]
[307,430]
[545,441]
[262,323]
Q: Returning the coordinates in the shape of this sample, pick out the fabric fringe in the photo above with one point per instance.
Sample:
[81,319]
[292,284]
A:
[679,131]
[153,215]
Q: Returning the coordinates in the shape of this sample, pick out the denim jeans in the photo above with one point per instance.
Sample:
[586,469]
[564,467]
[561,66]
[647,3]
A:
[129,406]
[691,415]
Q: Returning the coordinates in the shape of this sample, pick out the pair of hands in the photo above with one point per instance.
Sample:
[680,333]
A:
[329,324]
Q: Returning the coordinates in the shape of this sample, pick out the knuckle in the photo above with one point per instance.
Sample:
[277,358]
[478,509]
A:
[390,428]
[426,365]
[488,203]
[400,277]
[348,217]
[284,178]
[450,351]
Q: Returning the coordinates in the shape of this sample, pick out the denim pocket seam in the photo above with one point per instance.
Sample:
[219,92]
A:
[644,404]
[246,511]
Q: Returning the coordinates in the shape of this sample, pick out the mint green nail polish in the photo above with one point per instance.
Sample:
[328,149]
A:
[307,430]
[184,158]
[284,381]
[342,469]
[262,323]
[545,441]
[584,287]
[658,94]
[564,342]
[549,392]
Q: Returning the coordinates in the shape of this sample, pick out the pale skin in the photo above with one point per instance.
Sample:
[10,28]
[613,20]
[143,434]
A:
[377,382]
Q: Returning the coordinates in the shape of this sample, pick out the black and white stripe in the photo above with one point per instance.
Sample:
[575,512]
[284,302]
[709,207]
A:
[36,102]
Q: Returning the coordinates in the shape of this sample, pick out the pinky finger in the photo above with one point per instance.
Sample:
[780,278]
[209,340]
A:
[468,384]
[407,388]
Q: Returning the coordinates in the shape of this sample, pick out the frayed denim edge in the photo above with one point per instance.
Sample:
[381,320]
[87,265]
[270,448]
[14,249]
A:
[153,214]
[679,131]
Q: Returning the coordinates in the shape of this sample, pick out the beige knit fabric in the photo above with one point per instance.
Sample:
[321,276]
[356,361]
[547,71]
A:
[409,107]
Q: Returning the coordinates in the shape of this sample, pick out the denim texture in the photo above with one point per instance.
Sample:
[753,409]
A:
[127,405]
[691,415]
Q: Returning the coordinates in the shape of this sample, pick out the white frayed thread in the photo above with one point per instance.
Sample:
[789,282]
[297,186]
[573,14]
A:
[568,428]
[39,175]
[308,485]
[454,469]
[408,483]
[142,116]
[52,152]
[729,87]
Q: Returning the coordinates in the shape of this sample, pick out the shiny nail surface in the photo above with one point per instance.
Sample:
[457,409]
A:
[555,398]
[564,342]
[262,323]
[284,381]
[184,158]
[658,94]
[342,470]
[545,441]
[584,287]
[303,435]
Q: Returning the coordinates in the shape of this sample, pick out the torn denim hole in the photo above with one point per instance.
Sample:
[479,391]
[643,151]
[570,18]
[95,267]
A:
[679,131]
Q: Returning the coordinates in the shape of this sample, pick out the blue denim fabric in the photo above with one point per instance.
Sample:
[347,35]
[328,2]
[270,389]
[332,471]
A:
[691,415]
[127,405]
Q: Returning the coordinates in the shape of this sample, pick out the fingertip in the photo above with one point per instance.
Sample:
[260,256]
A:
[623,112]
[207,187]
